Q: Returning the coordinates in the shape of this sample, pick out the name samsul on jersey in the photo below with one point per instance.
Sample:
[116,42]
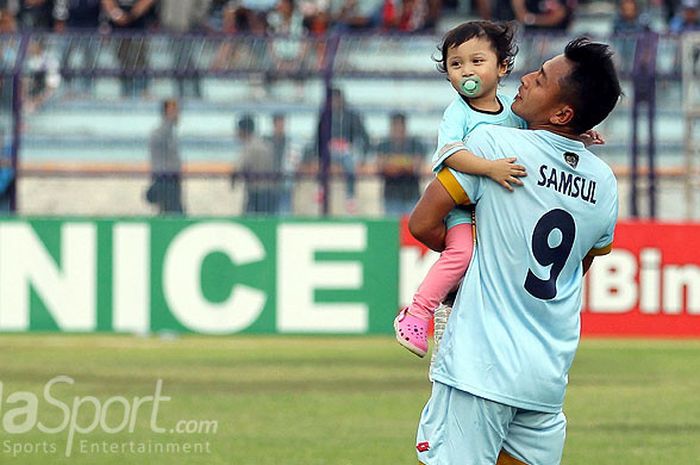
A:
[567,184]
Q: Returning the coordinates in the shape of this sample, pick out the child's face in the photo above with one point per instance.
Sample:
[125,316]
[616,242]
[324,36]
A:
[474,57]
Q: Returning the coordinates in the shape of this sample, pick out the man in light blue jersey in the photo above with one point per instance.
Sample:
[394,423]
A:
[501,372]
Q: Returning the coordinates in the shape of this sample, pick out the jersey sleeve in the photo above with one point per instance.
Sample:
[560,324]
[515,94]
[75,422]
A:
[468,188]
[604,244]
[464,189]
[453,127]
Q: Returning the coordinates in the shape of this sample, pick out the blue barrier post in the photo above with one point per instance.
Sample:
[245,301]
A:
[644,83]
[325,124]
[17,116]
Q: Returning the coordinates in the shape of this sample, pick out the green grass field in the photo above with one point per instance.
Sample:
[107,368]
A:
[334,401]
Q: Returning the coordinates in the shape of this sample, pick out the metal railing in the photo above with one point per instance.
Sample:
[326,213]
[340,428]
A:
[111,86]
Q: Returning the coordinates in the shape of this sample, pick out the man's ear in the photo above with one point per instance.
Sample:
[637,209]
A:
[563,116]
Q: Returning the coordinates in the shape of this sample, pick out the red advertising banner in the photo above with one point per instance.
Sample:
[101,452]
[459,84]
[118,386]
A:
[648,286]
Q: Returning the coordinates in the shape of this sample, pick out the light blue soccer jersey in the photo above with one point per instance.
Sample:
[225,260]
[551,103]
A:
[515,325]
[460,119]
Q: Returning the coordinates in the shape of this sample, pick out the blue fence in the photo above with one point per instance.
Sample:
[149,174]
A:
[84,107]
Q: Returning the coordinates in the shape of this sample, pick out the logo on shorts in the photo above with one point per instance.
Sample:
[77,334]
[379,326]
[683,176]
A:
[571,159]
[423,446]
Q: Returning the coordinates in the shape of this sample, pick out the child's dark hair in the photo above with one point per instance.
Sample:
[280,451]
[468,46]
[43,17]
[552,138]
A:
[501,35]
[592,87]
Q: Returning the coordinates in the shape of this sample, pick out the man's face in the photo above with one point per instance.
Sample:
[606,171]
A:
[398,128]
[172,112]
[278,125]
[539,96]
[628,10]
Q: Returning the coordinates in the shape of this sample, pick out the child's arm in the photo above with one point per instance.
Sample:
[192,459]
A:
[504,171]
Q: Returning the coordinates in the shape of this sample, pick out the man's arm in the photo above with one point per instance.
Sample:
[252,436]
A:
[141,8]
[427,221]
[595,252]
[116,14]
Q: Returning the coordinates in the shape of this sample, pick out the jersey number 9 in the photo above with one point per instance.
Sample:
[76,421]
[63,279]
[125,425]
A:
[545,254]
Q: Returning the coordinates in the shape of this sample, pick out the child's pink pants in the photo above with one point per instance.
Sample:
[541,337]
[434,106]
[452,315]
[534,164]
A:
[446,273]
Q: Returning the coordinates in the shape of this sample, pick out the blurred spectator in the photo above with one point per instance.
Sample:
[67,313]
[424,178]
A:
[35,14]
[7,176]
[240,54]
[227,50]
[132,16]
[627,24]
[43,77]
[400,160]
[496,10]
[354,16]
[348,144]
[286,21]
[670,9]
[288,48]
[258,160]
[185,17]
[317,21]
[78,16]
[547,15]
[554,15]
[629,20]
[316,16]
[251,15]
[166,190]
[287,157]
[688,19]
[404,15]
[8,55]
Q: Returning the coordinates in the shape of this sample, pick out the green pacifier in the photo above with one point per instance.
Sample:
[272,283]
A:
[471,86]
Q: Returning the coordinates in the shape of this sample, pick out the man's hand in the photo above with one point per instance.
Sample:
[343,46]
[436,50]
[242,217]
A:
[505,172]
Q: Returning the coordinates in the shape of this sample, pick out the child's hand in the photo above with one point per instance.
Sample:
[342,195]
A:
[592,137]
[505,172]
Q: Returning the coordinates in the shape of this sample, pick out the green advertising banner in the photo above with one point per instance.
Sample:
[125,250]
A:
[207,276]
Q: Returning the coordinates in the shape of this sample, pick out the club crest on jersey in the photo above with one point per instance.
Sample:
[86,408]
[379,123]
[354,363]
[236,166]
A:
[423,446]
[571,159]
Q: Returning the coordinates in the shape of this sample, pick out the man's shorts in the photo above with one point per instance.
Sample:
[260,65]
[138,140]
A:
[457,428]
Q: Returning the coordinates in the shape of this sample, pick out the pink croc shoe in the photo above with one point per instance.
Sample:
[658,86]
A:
[411,332]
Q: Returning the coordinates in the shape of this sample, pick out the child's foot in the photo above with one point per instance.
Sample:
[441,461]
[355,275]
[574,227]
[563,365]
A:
[411,332]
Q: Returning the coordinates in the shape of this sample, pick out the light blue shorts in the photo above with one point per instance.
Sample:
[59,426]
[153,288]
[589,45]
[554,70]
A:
[457,428]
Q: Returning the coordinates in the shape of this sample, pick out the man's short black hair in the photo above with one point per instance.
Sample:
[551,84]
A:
[501,35]
[592,87]
[246,124]
[398,116]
